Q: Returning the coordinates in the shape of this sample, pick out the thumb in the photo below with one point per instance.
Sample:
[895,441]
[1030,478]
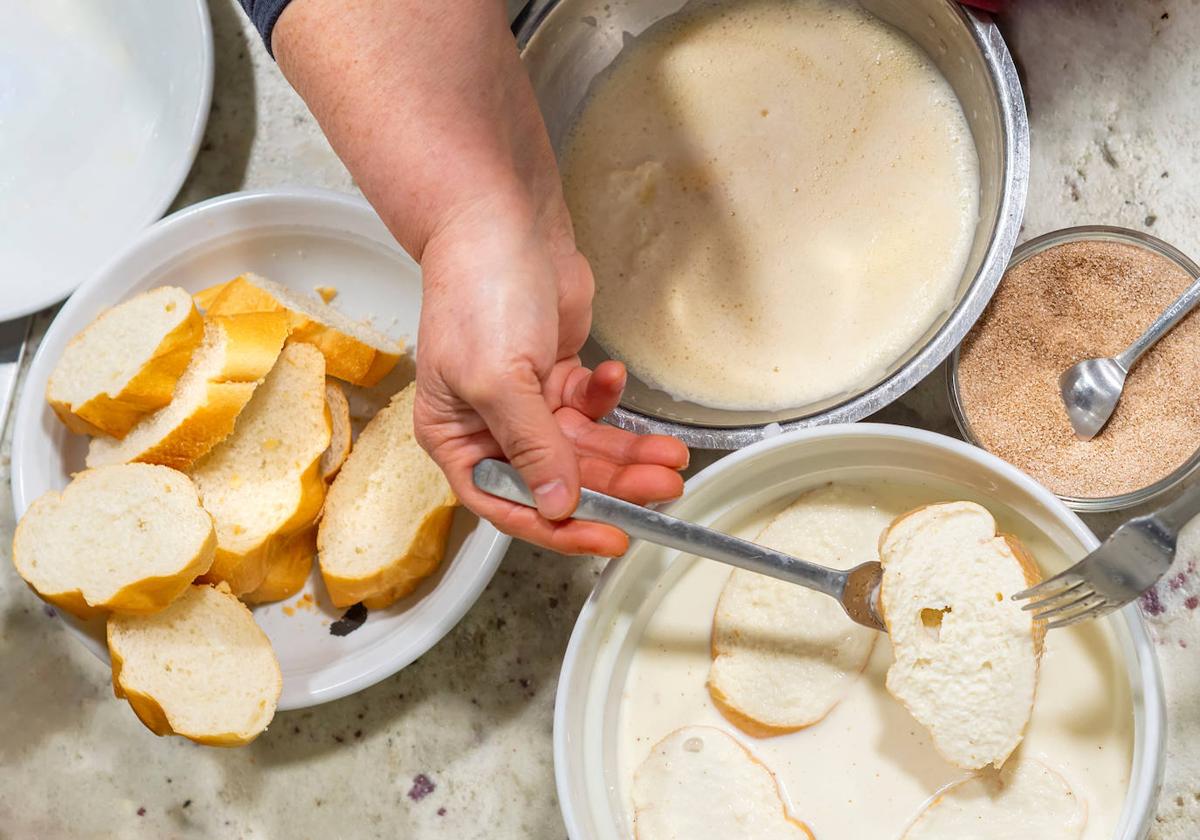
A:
[518,418]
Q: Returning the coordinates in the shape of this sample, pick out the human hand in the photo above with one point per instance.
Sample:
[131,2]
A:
[505,310]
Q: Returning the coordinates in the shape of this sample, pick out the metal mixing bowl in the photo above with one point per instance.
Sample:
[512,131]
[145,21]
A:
[566,44]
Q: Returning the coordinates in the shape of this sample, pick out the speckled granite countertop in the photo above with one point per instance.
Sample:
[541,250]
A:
[458,744]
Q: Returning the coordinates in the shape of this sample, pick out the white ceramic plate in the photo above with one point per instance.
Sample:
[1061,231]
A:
[587,725]
[102,107]
[304,238]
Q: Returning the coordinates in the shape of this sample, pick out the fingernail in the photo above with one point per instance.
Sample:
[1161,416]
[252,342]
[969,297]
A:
[553,500]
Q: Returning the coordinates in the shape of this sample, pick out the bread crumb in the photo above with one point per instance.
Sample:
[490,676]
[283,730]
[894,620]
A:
[288,611]
[327,293]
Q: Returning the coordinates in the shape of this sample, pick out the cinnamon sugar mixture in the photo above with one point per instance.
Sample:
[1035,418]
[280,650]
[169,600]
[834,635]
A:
[1075,301]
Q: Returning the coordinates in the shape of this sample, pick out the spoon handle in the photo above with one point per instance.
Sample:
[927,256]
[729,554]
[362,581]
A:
[500,479]
[1174,313]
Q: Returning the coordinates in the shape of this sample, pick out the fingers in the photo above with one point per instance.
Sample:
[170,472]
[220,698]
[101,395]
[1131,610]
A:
[517,416]
[595,393]
[641,484]
[592,439]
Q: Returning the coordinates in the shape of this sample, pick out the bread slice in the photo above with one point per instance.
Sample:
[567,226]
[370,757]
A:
[125,364]
[966,654]
[784,656]
[201,668]
[387,515]
[698,782]
[353,351]
[263,483]
[204,298]
[288,568]
[339,442]
[129,537]
[235,355]
[1024,800]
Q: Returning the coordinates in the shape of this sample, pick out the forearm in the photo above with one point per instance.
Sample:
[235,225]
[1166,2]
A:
[428,106]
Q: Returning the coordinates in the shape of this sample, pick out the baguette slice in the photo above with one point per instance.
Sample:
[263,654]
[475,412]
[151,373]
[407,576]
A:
[235,355]
[263,483]
[1024,800]
[387,515]
[353,351]
[204,298]
[288,568]
[966,654]
[129,537]
[126,363]
[339,442]
[201,668]
[783,656]
[698,782]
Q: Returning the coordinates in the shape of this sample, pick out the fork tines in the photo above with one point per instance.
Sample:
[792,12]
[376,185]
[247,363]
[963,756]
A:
[1065,599]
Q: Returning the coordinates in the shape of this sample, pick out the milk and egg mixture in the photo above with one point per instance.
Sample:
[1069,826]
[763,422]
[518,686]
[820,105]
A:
[868,768]
[778,198]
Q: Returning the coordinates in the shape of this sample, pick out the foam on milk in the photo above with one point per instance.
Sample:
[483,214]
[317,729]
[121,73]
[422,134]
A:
[778,198]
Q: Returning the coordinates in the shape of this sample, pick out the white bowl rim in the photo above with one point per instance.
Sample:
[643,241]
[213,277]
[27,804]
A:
[192,226]
[1149,750]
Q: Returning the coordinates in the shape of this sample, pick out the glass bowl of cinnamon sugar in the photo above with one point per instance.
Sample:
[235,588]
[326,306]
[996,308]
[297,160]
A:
[1073,294]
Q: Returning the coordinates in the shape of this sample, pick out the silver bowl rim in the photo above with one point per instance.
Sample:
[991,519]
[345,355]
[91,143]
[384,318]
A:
[1015,125]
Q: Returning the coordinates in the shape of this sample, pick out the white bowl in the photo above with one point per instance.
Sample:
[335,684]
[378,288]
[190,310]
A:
[103,106]
[586,718]
[302,238]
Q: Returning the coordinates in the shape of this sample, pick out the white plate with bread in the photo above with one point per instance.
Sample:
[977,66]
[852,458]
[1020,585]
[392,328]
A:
[103,106]
[200,446]
[699,701]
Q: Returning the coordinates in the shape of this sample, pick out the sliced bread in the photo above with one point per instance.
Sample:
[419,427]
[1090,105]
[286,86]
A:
[783,655]
[234,356]
[288,568]
[339,441]
[966,654]
[1024,801]
[126,363]
[129,537]
[205,297]
[353,351]
[387,515]
[263,483]
[698,782]
[201,668]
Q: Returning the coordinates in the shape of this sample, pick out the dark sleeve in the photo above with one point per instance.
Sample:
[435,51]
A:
[263,14]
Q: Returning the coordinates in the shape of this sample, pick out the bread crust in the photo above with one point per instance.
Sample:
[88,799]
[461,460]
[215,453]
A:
[346,357]
[288,568]
[338,408]
[146,391]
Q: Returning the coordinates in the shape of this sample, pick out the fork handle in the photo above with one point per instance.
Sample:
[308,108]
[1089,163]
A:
[500,479]
[1182,510]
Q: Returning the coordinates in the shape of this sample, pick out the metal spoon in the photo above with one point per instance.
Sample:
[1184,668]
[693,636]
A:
[1090,389]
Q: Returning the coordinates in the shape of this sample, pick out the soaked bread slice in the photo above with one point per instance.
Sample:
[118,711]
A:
[966,654]
[339,442]
[263,483]
[1024,800]
[698,782]
[129,537]
[126,363]
[201,668]
[387,515]
[353,352]
[234,356]
[783,656]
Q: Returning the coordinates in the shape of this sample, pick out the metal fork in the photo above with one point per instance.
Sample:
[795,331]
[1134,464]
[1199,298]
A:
[857,589]
[1126,564]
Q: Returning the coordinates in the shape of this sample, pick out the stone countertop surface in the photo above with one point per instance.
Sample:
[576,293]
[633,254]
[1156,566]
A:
[459,744]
